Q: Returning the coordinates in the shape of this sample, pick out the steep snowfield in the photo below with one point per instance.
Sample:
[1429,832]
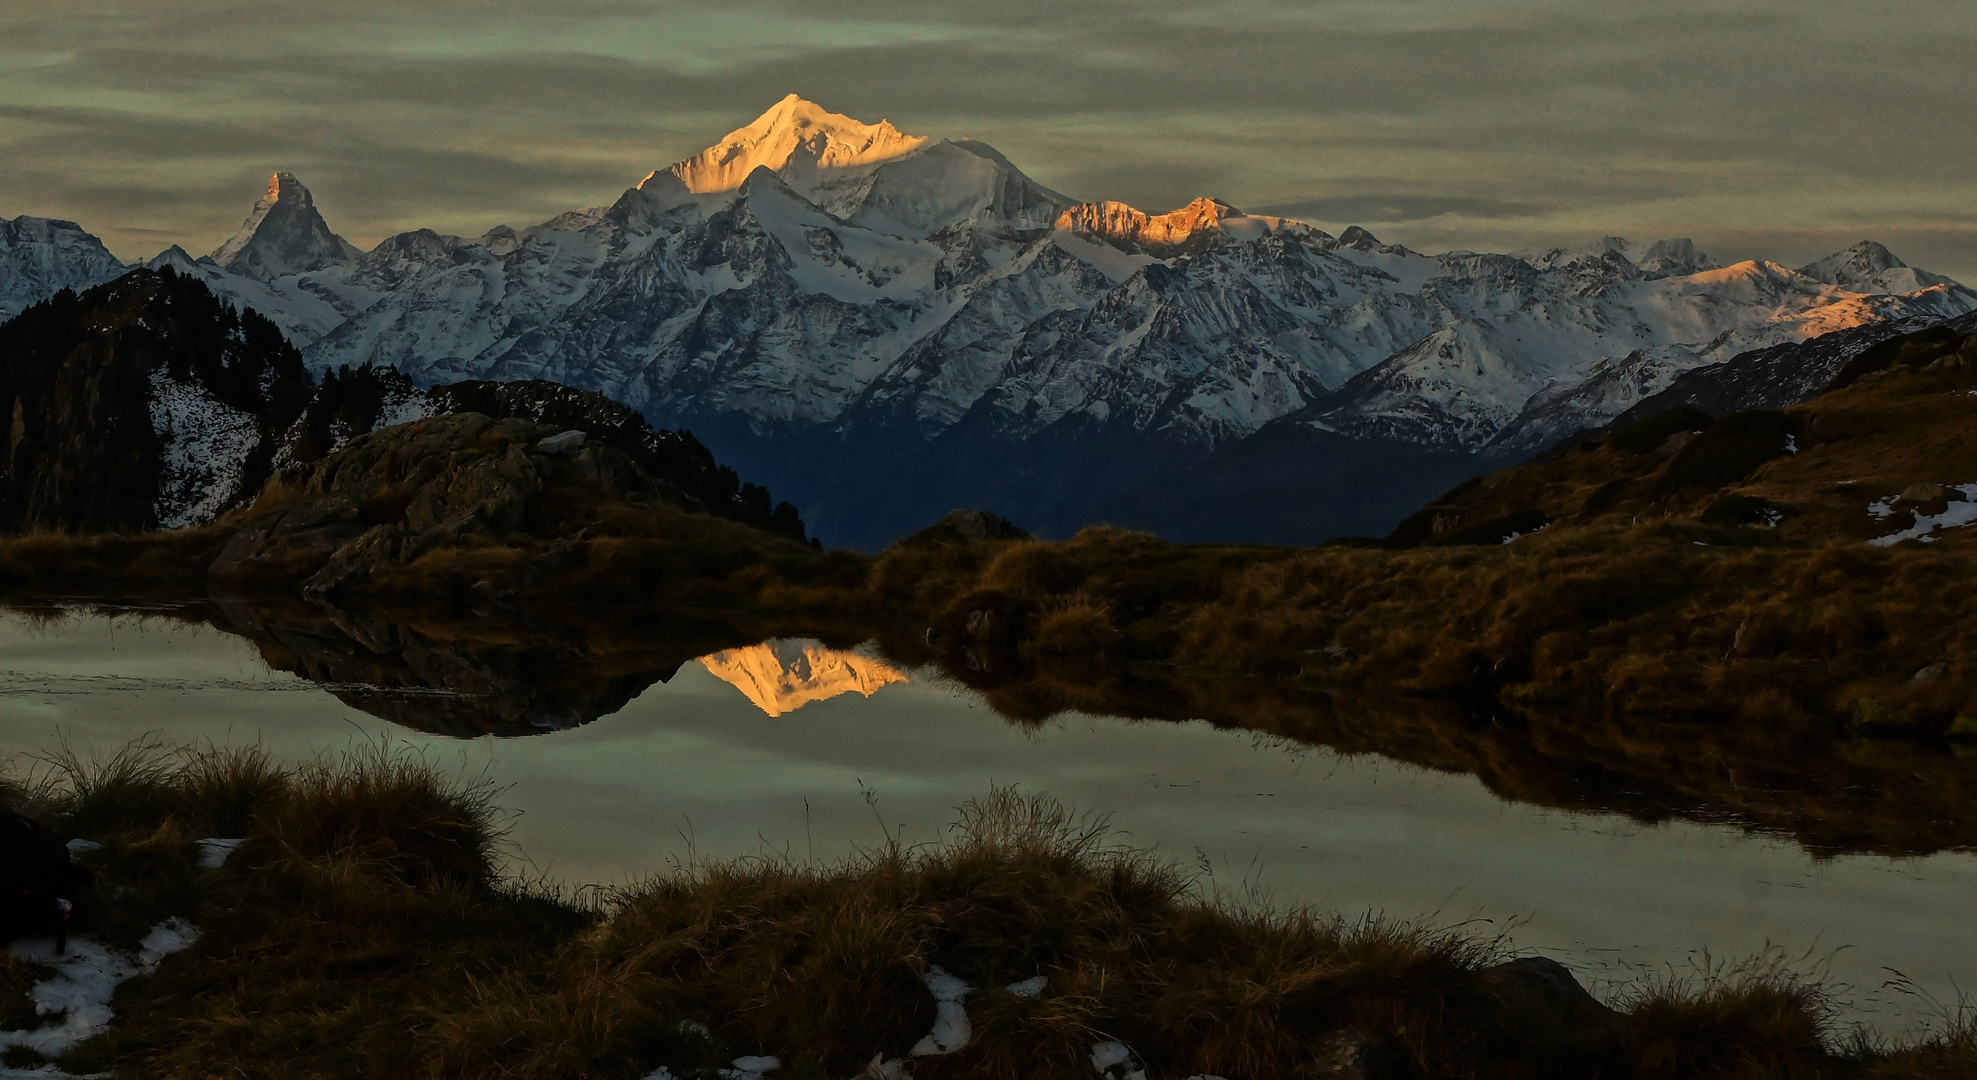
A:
[40,257]
[205,444]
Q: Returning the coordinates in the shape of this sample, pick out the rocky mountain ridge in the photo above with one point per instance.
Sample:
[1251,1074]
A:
[150,403]
[823,300]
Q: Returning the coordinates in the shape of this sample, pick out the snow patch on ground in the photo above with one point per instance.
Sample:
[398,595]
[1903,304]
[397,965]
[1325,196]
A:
[214,851]
[205,443]
[77,995]
[1927,527]
[1115,1062]
[751,1068]
[951,1028]
[1028,988]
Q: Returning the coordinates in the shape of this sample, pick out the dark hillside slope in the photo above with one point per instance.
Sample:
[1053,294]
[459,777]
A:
[1779,376]
[148,403]
[85,381]
[1890,451]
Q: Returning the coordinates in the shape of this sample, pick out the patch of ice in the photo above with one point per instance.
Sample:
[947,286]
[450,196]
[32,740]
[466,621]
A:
[660,1073]
[85,978]
[214,850]
[1028,987]
[1792,445]
[1928,527]
[1115,1062]
[885,1068]
[1518,535]
[951,1029]
[205,443]
[79,846]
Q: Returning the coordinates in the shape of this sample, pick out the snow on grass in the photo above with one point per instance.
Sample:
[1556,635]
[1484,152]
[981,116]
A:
[205,443]
[1115,1062]
[77,994]
[1928,527]
[214,851]
[751,1068]
[951,1028]
[1028,988]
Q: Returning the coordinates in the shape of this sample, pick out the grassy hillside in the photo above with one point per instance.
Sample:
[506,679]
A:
[363,928]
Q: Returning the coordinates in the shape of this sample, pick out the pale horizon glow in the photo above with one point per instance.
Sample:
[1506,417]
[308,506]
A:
[1764,130]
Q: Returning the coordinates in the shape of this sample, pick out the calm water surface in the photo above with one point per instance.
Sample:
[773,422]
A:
[791,748]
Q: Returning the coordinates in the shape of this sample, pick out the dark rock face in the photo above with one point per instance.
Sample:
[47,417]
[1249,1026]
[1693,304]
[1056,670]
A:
[393,494]
[114,398]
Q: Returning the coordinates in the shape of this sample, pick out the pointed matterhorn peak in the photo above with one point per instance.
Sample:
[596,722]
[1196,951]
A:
[283,235]
[801,142]
[1193,228]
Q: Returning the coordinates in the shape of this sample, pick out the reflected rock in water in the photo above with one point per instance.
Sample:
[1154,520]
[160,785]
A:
[784,675]
[502,673]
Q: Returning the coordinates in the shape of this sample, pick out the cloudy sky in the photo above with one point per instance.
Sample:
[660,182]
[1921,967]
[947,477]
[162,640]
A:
[1762,128]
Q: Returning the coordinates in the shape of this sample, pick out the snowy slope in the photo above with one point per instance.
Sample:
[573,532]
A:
[812,273]
[40,257]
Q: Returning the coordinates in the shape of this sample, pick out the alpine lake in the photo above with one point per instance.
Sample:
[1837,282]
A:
[620,748]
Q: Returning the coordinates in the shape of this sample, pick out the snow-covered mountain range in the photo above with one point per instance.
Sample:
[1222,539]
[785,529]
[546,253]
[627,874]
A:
[867,319]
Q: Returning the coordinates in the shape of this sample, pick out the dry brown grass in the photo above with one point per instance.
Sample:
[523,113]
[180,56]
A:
[361,931]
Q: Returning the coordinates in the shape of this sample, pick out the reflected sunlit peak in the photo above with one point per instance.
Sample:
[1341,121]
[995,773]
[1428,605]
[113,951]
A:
[784,674]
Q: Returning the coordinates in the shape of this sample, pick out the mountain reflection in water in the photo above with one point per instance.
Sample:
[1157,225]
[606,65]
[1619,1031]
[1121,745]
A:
[509,672]
[784,675]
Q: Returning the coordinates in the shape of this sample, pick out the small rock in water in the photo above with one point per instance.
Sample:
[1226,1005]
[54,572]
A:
[567,440]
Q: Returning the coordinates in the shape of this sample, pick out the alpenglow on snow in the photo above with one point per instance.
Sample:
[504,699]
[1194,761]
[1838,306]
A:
[812,288]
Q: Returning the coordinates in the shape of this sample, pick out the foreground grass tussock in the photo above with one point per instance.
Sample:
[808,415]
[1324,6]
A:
[362,929]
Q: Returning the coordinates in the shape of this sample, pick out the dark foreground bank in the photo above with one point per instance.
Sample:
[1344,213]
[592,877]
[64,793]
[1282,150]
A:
[363,928]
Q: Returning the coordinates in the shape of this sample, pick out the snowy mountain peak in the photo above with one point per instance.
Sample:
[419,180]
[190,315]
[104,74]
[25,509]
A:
[1193,228]
[42,256]
[283,235]
[1359,239]
[1868,267]
[812,149]
[1678,256]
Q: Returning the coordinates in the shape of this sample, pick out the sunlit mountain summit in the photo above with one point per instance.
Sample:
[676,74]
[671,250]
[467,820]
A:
[885,325]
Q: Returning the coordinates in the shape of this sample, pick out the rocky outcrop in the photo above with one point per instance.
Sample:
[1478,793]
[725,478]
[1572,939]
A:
[392,495]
